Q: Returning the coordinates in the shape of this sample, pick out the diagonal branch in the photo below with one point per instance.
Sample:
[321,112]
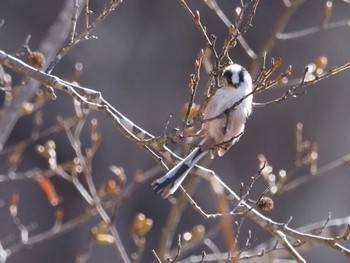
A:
[54,39]
[94,100]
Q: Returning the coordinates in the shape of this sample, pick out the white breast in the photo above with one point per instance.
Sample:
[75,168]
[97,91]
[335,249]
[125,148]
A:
[226,127]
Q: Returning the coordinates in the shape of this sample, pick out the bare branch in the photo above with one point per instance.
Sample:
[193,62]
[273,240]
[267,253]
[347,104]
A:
[312,30]
[54,39]
[281,236]
[212,4]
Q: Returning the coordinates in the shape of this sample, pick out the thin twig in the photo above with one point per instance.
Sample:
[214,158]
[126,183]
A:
[279,26]
[212,4]
[197,20]
[136,133]
[322,171]
[194,81]
[87,14]
[282,237]
[156,256]
[312,30]
[53,40]
[74,20]
[86,165]
[173,219]
[109,8]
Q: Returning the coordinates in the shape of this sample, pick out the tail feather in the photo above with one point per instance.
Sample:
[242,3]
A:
[171,181]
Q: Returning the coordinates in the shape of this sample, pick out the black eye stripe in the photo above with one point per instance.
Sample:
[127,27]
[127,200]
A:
[228,76]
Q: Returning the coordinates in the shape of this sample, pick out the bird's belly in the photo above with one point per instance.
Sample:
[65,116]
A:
[225,128]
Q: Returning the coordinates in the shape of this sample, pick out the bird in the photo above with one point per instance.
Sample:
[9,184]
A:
[223,123]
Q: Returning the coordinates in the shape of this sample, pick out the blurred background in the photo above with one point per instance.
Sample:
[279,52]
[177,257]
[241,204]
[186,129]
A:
[141,63]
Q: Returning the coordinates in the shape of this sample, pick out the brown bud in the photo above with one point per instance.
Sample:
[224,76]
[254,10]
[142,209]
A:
[226,42]
[112,188]
[288,71]
[37,59]
[59,215]
[119,172]
[95,135]
[27,108]
[14,204]
[232,31]
[276,63]
[101,228]
[198,231]
[104,239]
[139,176]
[265,203]
[193,111]
[321,62]
[197,16]
[141,225]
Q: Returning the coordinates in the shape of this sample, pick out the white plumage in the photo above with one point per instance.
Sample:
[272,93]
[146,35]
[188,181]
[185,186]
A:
[221,132]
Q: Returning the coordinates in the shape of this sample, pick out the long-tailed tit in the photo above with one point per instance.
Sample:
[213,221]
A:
[222,130]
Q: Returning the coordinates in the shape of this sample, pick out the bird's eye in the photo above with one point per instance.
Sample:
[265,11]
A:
[228,75]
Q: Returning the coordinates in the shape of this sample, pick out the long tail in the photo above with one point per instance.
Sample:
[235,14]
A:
[169,183]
